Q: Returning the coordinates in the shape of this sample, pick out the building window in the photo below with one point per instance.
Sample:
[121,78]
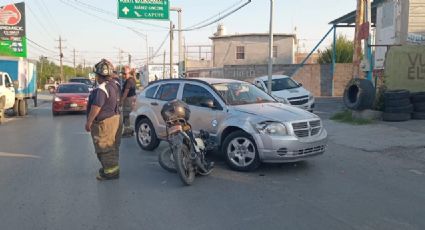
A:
[240,52]
[275,51]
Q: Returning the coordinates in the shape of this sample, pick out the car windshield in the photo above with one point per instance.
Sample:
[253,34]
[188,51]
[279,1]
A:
[282,84]
[73,89]
[82,80]
[239,93]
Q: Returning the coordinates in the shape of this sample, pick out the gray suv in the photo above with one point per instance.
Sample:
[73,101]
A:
[247,125]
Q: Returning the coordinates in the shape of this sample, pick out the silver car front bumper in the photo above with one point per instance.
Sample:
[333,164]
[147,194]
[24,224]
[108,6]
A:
[277,149]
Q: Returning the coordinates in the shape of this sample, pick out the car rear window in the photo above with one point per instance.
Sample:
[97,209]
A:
[167,92]
[151,92]
[73,89]
[85,81]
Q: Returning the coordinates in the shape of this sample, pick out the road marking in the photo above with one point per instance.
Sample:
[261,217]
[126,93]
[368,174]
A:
[417,172]
[18,155]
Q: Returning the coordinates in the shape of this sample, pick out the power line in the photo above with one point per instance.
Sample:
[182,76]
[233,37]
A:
[39,22]
[216,15]
[44,48]
[94,8]
[218,19]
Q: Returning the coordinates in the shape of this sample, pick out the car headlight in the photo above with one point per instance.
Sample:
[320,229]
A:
[272,128]
[58,99]
[283,100]
[310,98]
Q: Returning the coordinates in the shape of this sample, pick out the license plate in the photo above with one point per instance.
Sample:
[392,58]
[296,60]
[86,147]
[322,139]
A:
[73,105]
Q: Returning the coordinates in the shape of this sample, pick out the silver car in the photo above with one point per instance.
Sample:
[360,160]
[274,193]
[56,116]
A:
[247,125]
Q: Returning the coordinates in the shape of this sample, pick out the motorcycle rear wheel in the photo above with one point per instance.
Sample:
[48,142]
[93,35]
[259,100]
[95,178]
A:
[184,166]
[166,160]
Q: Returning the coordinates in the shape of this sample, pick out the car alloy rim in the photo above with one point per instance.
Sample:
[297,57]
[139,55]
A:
[145,135]
[241,151]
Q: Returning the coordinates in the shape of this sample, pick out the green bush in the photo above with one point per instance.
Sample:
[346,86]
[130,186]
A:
[344,52]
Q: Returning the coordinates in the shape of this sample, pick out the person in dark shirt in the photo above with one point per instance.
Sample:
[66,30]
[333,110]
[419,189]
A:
[103,121]
[128,100]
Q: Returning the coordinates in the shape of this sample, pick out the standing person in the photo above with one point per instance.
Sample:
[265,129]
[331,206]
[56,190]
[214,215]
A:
[103,121]
[127,100]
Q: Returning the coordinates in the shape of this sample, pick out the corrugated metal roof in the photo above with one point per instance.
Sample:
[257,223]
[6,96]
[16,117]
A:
[350,18]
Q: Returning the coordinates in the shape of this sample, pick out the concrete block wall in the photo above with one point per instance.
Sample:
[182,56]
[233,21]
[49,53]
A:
[314,77]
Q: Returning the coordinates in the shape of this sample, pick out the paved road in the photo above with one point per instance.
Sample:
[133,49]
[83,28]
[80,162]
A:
[47,181]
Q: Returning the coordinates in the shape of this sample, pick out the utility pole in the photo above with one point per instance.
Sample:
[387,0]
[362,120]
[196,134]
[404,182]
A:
[180,39]
[75,69]
[171,48]
[129,60]
[270,67]
[61,58]
[163,67]
[357,39]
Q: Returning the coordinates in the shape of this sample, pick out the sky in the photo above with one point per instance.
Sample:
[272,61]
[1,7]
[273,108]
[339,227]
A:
[92,28]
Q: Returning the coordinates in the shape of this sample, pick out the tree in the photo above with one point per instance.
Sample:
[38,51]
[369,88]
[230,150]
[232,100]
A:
[344,52]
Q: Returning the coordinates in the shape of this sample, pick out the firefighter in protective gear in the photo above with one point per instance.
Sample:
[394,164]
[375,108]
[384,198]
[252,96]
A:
[103,121]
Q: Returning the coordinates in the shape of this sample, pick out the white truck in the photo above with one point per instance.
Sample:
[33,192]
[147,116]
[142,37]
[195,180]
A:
[18,82]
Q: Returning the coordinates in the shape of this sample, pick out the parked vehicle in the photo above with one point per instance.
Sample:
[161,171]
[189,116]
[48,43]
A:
[51,87]
[186,154]
[70,97]
[285,89]
[246,124]
[18,83]
[86,81]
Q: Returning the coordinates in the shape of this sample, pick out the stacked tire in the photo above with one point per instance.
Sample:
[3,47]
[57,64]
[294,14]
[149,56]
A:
[418,101]
[397,106]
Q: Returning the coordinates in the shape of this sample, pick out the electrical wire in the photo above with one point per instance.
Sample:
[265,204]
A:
[99,10]
[44,48]
[218,19]
[216,15]
[39,22]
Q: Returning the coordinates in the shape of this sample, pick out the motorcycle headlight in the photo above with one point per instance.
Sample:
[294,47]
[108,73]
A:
[58,99]
[272,128]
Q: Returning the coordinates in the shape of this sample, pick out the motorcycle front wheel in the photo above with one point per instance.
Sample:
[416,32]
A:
[166,160]
[184,165]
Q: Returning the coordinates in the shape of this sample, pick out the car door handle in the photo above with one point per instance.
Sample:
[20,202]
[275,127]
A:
[154,103]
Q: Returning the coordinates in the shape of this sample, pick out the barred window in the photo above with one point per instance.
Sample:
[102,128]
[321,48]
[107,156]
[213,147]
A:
[240,52]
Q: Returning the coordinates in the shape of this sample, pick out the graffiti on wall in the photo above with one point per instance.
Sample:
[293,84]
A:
[416,68]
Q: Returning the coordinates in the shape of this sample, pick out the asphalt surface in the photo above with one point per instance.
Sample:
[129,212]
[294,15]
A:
[48,168]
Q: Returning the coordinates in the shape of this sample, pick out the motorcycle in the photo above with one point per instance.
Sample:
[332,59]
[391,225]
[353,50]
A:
[186,154]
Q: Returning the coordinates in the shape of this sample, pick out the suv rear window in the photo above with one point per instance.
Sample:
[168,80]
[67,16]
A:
[168,92]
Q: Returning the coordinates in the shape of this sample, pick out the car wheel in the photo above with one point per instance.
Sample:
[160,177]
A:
[146,135]
[55,113]
[241,152]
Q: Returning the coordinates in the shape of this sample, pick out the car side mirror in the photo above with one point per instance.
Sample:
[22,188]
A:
[300,84]
[209,103]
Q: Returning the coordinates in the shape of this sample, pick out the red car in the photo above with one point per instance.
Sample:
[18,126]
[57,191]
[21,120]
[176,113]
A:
[70,97]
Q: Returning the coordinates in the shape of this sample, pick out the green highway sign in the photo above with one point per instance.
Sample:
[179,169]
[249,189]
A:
[144,9]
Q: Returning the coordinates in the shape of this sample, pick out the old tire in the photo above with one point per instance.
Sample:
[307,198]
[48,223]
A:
[184,165]
[396,117]
[396,94]
[418,116]
[166,160]
[396,102]
[16,108]
[240,152]
[419,107]
[146,135]
[417,97]
[359,94]
[399,109]
[22,108]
